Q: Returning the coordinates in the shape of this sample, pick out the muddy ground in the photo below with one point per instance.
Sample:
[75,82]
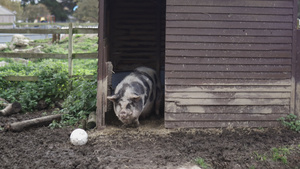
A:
[149,146]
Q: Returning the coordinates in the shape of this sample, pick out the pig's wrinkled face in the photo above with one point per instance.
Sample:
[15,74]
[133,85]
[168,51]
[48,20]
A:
[126,111]
[127,108]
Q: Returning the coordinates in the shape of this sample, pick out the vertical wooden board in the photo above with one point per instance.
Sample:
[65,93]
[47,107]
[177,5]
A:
[102,74]
[295,64]
[297,76]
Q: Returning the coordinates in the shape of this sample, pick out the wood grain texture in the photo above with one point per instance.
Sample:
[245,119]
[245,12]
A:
[228,63]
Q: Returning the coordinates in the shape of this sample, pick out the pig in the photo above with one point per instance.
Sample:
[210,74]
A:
[137,95]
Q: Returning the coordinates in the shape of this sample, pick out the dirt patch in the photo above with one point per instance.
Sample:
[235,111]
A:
[149,146]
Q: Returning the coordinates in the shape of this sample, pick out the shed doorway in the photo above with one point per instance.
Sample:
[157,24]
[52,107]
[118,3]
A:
[134,36]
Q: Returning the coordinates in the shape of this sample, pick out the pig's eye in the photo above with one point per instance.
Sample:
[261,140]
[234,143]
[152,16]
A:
[128,106]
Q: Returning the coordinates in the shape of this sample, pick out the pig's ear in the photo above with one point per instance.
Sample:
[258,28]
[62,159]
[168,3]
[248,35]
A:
[135,97]
[112,98]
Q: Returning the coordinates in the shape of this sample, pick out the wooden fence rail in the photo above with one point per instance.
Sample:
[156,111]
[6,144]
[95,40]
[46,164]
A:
[70,56]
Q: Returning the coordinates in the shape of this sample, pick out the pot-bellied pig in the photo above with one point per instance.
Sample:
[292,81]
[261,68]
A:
[138,94]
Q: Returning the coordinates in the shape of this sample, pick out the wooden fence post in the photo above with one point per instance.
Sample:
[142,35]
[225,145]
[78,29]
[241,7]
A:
[70,49]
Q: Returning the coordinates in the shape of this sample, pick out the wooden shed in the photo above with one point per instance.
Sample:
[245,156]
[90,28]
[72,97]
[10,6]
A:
[225,62]
[6,16]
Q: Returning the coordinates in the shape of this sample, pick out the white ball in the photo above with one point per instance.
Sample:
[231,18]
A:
[79,137]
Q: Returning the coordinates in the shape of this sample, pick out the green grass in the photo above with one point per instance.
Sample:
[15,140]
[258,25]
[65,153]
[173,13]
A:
[81,44]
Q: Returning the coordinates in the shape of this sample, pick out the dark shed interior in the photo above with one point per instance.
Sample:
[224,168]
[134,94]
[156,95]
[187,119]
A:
[135,34]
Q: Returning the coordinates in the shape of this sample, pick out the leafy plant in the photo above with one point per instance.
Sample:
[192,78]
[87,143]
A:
[55,124]
[81,100]
[53,84]
[291,122]
[201,162]
[260,157]
[79,94]
[280,154]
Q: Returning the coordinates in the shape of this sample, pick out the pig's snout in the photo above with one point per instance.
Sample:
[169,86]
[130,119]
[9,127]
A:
[125,115]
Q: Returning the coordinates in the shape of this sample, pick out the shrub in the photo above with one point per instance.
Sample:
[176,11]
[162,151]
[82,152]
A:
[52,84]
[291,122]
[81,100]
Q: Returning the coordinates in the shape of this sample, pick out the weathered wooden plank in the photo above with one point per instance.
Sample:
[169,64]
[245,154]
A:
[228,17]
[228,61]
[70,50]
[85,30]
[34,55]
[229,75]
[231,25]
[221,117]
[297,75]
[228,46]
[227,68]
[51,31]
[227,53]
[85,55]
[233,3]
[21,78]
[171,107]
[228,10]
[189,88]
[35,31]
[206,124]
[228,32]
[228,39]
[229,101]
[49,55]
[26,24]
[227,82]
[227,95]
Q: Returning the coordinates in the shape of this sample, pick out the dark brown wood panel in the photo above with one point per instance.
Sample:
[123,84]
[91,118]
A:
[228,75]
[225,46]
[220,117]
[172,108]
[210,88]
[231,102]
[228,32]
[227,68]
[230,25]
[227,53]
[228,17]
[229,10]
[227,95]
[228,62]
[233,3]
[228,82]
[228,39]
[207,124]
